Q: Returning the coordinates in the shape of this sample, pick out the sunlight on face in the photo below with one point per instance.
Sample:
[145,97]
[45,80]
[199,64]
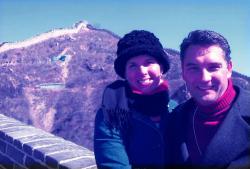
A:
[206,73]
[143,73]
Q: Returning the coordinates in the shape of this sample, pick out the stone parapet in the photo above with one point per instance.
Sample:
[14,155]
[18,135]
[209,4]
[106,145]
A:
[26,147]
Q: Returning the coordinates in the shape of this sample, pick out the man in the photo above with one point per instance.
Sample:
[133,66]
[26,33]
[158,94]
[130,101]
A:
[212,129]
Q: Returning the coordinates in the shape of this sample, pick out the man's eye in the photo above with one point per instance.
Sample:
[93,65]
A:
[213,68]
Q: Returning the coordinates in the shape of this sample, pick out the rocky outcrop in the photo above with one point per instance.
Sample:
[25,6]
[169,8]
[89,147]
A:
[54,81]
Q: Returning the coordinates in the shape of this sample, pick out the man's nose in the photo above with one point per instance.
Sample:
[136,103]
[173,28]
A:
[205,75]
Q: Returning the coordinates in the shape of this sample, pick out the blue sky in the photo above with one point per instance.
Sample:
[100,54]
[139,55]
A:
[170,20]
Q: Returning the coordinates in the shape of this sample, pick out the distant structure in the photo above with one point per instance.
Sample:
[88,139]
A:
[82,25]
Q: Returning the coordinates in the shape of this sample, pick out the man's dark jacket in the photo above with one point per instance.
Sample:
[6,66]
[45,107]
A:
[230,146]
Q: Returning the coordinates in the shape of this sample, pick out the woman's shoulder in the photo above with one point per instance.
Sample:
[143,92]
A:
[116,84]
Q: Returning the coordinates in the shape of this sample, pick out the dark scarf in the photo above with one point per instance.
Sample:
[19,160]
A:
[119,100]
[150,105]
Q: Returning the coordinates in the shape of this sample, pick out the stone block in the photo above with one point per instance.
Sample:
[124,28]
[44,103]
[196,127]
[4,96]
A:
[15,154]
[2,146]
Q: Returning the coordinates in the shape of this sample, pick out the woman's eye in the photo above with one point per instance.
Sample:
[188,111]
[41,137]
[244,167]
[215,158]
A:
[193,68]
[149,62]
[132,66]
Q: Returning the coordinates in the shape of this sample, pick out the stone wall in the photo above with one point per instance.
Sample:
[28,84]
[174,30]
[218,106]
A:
[26,147]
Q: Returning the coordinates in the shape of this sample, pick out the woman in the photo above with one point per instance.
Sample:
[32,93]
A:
[130,125]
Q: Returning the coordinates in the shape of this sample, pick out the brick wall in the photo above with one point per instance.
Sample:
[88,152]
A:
[26,147]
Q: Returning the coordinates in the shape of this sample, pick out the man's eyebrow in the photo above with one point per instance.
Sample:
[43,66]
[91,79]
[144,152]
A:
[215,63]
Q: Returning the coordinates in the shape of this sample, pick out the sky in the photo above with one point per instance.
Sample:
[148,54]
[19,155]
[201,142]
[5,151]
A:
[169,20]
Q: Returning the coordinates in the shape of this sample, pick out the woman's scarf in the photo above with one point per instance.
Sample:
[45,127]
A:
[119,101]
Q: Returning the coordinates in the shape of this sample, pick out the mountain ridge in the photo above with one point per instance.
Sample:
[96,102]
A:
[56,82]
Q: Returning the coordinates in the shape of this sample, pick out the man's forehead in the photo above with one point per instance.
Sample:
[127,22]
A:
[205,49]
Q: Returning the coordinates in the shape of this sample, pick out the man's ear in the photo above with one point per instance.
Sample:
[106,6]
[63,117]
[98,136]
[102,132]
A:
[182,70]
[162,68]
[230,69]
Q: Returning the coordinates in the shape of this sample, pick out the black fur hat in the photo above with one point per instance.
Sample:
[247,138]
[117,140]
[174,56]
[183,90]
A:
[139,42]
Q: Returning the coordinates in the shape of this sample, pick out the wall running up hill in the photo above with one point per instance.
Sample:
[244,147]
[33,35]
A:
[54,81]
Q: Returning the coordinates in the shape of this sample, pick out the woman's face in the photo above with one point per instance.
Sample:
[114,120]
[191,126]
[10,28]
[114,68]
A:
[143,73]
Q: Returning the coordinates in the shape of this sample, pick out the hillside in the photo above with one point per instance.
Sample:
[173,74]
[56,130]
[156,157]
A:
[55,80]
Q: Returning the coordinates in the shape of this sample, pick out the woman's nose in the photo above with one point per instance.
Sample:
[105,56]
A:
[143,69]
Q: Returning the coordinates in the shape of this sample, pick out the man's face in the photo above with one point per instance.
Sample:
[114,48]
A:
[206,73]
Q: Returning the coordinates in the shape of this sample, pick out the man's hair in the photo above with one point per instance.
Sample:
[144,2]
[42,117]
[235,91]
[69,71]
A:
[204,38]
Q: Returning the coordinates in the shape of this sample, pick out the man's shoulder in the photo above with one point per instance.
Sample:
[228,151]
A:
[185,105]
[183,108]
[243,100]
[243,95]
[241,105]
